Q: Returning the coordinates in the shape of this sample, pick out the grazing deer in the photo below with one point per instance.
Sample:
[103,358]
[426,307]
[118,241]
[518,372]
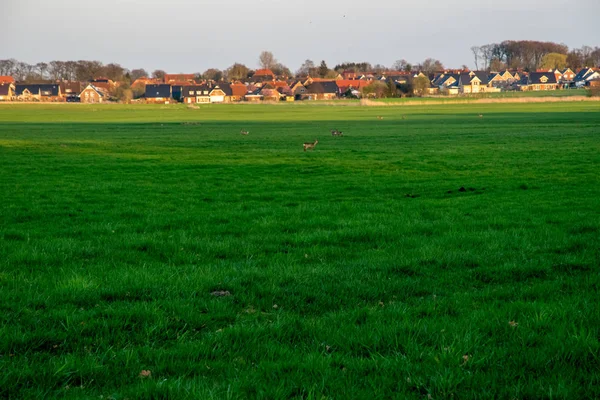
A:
[310,146]
[243,132]
[480,115]
[335,132]
[379,117]
[404,117]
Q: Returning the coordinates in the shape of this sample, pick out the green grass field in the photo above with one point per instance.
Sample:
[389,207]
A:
[355,271]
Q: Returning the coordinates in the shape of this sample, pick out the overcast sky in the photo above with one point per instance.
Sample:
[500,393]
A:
[194,35]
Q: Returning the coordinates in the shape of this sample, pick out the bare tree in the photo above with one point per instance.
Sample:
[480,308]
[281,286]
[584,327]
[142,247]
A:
[41,68]
[400,65]
[158,74]
[430,66]
[213,74]
[6,66]
[266,60]
[476,53]
[306,68]
[486,53]
[138,73]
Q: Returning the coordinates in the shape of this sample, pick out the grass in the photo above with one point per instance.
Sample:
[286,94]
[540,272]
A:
[438,256]
[499,95]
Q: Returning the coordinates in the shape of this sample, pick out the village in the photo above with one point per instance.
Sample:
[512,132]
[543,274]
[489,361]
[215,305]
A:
[265,86]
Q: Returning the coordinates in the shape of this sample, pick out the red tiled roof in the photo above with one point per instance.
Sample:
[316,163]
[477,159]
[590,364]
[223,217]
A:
[7,79]
[179,77]
[355,83]
[239,89]
[262,72]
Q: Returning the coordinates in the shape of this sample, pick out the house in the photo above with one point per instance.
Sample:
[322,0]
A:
[475,82]
[158,93]
[322,91]
[501,79]
[7,91]
[238,91]
[269,92]
[38,92]
[254,96]
[207,93]
[567,76]
[92,94]
[594,83]
[196,94]
[104,84]
[7,79]
[584,76]
[298,90]
[263,75]
[174,79]
[70,90]
[538,81]
[352,85]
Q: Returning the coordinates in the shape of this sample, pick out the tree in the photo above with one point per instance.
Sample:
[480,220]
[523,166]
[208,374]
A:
[408,68]
[158,74]
[113,72]
[41,67]
[87,70]
[123,93]
[476,54]
[497,65]
[56,69]
[429,66]
[323,69]
[331,74]
[420,85]
[137,74]
[266,60]
[554,61]
[213,74]
[6,66]
[281,70]
[376,89]
[237,71]
[306,68]
[378,68]
[400,65]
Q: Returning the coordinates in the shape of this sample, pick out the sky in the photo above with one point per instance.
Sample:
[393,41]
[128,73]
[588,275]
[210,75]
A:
[188,36]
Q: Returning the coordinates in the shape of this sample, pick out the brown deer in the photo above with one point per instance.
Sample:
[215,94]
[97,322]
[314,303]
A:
[480,115]
[310,146]
[379,117]
[335,132]
[243,132]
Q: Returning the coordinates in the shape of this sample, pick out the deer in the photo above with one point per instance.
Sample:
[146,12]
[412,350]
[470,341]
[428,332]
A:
[243,132]
[480,115]
[310,146]
[335,132]
[379,117]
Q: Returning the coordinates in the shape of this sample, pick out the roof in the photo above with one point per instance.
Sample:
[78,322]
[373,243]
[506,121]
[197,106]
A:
[238,89]
[7,79]
[225,87]
[101,93]
[169,78]
[583,73]
[535,78]
[43,89]
[162,90]
[354,83]
[70,87]
[260,72]
[322,87]
[4,89]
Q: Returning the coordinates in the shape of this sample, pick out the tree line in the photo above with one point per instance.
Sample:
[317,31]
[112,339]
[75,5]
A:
[526,54]
[532,55]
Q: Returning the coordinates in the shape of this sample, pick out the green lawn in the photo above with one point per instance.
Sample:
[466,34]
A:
[360,270]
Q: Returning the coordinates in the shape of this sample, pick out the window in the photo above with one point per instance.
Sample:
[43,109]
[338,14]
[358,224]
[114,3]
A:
[206,92]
